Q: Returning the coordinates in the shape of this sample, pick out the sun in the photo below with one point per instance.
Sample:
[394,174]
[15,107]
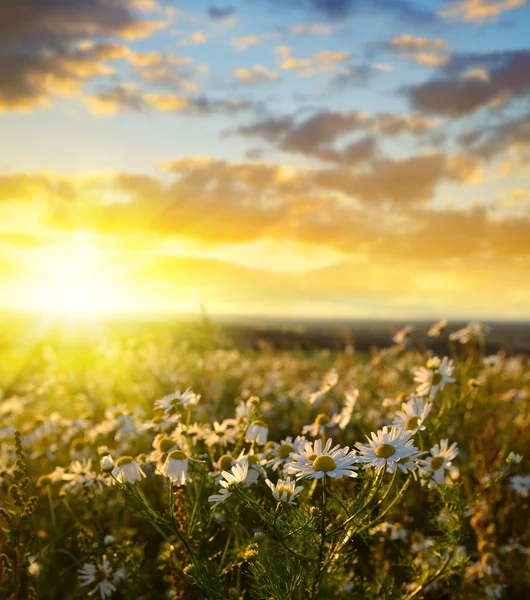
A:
[74,279]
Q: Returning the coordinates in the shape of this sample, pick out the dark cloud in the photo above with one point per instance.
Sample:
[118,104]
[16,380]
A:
[402,10]
[473,82]
[41,50]
[218,13]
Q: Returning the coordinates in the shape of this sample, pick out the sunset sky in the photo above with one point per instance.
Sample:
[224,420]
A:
[320,158]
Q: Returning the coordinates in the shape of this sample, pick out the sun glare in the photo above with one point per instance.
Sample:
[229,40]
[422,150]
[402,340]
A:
[73,280]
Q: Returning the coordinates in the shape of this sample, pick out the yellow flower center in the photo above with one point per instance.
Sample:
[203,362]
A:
[157,420]
[165,444]
[324,463]
[437,462]
[411,423]
[124,460]
[322,419]
[284,450]
[312,457]
[385,451]
[177,455]
[253,460]
[259,423]
[436,378]
[77,445]
[269,446]
[225,462]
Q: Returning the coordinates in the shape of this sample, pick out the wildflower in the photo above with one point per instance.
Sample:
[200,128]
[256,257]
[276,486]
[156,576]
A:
[403,335]
[107,464]
[223,433]
[79,476]
[237,475]
[127,470]
[176,467]
[442,455]
[313,462]
[343,418]
[285,490]
[514,459]
[330,379]
[387,448]
[521,484]
[319,426]
[176,400]
[412,415]
[281,453]
[434,377]
[257,432]
[101,575]
[437,329]
[471,331]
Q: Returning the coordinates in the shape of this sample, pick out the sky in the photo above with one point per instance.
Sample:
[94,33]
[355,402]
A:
[297,158]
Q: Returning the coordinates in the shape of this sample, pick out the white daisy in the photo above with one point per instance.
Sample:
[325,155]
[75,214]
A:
[412,415]
[176,467]
[442,454]
[387,449]
[101,575]
[107,464]
[238,474]
[403,335]
[281,453]
[285,490]
[176,400]
[257,432]
[318,428]
[330,379]
[437,329]
[313,462]
[223,433]
[127,470]
[521,484]
[471,331]
[434,377]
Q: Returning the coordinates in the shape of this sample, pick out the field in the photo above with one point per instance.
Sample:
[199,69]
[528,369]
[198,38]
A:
[234,461]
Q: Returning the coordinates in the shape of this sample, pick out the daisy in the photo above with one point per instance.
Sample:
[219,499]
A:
[521,484]
[442,455]
[313,462]
[257,432]
[223,433]
[437,329]
[284,490]
[79,476]
[330,379]
[101,575]
[387,448]
[238,474]
[176,467]
[107,464]
[281,453]
[471,331]
[434,377]
[412,415]
[318,428]
[343,418]
[403,335]
[176,400]
[127,470]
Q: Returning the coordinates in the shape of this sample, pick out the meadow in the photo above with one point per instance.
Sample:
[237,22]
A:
[141,463]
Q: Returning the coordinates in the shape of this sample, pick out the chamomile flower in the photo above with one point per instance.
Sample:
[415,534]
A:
[343,418]
[176,400]
[387,448]
[403,335]
[100,574]
[237,475]
[412,415]
[285,490]
[437,329]
[319,426]
[176,467]
[434,377]
[314,462]
[521,484]
[223,433]
[281,453]
[257,432]
[127,470]
[330,379]
[107,464]
[440,461]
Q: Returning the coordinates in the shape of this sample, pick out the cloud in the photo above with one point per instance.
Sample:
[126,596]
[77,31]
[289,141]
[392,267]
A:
[256,74]
[319,62]
[478,11]
[121,98]
[430,52]
[218,13]
[247,41]
[43,47]
[311,29]
[504,76]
